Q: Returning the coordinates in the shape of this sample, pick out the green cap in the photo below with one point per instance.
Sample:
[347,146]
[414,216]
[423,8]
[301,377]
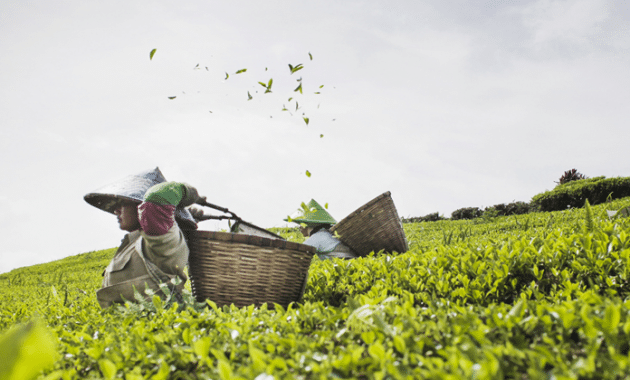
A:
[312,214]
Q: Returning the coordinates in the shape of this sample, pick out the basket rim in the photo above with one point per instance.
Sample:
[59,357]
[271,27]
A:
[360,209]
[249,240]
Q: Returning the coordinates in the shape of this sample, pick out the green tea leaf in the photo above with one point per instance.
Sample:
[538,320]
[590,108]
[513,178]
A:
[225,371]
[172,97]
[612,317]
[108,369]
[306,120]
[241,71]
[152,54]
[201,346]
[26,350]
[295,68]
[376,351]
[298,88]
[308,174]
[310,55]
[399,344]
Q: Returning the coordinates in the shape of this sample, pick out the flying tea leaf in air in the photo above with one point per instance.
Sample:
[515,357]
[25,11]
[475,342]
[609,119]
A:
[249,96]
[172,97]
[241,71]
[152,54]
[306,120]
[308,174]
[310,55]
[298,88]
[227,75]
[295,68]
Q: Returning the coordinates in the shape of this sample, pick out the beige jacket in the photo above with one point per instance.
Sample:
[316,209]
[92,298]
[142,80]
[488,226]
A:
[144,261]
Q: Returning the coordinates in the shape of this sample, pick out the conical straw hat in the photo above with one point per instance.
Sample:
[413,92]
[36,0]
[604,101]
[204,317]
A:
[313,214]
[132,188]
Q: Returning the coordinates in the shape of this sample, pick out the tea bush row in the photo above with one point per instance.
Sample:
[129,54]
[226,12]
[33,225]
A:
[573,194]
[542,295]
[569,194]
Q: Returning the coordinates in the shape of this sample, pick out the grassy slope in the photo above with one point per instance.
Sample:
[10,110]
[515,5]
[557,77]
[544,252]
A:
[514,297]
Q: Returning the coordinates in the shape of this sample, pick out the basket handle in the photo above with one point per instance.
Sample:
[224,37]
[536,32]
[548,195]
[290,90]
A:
[203,202]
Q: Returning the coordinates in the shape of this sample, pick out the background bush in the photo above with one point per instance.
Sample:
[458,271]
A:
[434,217]
[514,208]
[466,213]
[574,193]
[571,175]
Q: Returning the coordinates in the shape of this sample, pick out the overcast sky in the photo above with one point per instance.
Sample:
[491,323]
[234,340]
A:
[447,104]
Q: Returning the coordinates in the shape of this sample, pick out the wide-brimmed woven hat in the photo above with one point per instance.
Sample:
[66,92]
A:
[314,214]
[132,188]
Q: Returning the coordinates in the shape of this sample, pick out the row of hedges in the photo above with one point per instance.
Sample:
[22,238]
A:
[502,209]
[434,217]
[570,194]
[573,194]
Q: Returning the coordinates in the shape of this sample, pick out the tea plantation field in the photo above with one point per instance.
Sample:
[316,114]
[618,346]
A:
[535,296]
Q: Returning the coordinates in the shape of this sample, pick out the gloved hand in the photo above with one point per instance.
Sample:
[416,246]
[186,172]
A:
[190,197]
[196,213]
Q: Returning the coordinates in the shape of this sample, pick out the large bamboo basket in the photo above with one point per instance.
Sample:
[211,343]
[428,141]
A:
[241,269]
[373,227]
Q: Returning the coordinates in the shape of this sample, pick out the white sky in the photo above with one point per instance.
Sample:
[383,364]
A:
[445,103]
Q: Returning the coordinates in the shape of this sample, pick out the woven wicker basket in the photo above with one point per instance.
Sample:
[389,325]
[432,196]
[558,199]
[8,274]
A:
[244,269]
[375,226]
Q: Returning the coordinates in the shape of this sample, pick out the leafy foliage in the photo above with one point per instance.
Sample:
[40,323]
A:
[35,351]
[466,213]
[542,295]
[513,208]
[433,217]
[574,193]
[570,175]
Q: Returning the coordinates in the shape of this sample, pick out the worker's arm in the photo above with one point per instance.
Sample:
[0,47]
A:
[157,212]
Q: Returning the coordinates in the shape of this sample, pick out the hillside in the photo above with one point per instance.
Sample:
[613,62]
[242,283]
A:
[533,296]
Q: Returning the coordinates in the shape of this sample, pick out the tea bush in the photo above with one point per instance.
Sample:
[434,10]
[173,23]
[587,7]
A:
[466,213]
[574,193]
[513,208]
[535,296]
[433,217]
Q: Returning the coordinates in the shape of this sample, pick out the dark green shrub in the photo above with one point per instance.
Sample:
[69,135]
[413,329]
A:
[514,208]
[434,217]
[466,213]
[574,193]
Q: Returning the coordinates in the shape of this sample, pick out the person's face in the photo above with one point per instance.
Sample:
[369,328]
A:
[127,213]
[306,231]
